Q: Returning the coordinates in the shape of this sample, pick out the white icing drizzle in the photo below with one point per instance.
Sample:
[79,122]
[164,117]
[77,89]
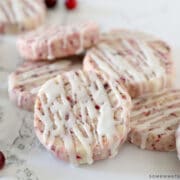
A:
[90,107]
[170,122]
[19,100]
[32,77]
[145,103]
[7,10]
[39,39]
[50,50]
[121,63]
[147,71]
[47,67]
[110,66]
[81,40]
[105,124]
[155,65]
[64,35]
[63,109]
[53,41]
[30,12]
[18,9]
[158,95]
[164,111]
[104,66]
[156,120]
[37,7]
[83,87]
[35,90]
[114,64]
[20,12]
[3,17]
[80,92]
[178,141]
[50,41]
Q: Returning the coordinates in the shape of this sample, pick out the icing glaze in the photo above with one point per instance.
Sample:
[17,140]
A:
[25,82]
[19,13]
[40,74]
[178,142]
[128,57]
[87,117]
[53,41]
[155,115]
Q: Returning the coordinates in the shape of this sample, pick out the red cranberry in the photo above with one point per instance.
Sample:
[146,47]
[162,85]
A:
[173,114]
[66,117]
[97,107]
[78,157]
[70,4]
[106,85]
[51,3]
[69,99]
[147,113]
[2,160]
[159,136]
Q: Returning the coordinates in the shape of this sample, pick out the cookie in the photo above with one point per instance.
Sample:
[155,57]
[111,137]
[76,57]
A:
[139,61]
[57,41]
[80,118]
[154,120]
[25,82]
[178,141]
[21,15]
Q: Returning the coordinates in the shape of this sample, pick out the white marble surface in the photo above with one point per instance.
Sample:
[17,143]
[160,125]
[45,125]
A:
[27,159]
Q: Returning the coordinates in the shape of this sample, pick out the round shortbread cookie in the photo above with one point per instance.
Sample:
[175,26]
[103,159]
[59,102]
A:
[154,120]
[139,61]
[25,82]
[81,119]
[21,15]
[57,41]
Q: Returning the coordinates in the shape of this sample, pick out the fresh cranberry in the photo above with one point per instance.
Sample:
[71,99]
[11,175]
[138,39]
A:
[2,160]
[97,107]
[71,4]
[78,157]
[51,3]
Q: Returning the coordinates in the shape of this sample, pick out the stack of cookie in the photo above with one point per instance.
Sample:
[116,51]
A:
[92,91]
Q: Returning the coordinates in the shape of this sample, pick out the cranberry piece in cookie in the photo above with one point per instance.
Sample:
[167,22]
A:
[2,160]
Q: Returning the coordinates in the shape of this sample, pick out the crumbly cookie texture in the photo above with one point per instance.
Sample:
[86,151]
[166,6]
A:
[81,118]
[57,41]
[139,61]
[25,82]
[21,15]
[154,120]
